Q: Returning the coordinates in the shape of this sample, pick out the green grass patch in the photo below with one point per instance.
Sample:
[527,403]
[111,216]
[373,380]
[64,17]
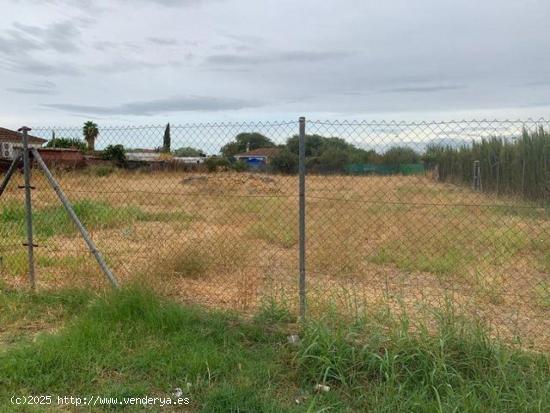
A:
[131,344]
[448,253]
[528,210]
[443,261]
[23,315]
[454,369]
[13,262]
[54,220]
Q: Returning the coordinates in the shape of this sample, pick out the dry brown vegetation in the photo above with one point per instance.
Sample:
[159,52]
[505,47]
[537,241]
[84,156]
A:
[230,240]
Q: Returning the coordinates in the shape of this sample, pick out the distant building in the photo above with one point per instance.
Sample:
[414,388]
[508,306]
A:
[190,159]
[147,155]
[257,158]
[153,155]
[10,140]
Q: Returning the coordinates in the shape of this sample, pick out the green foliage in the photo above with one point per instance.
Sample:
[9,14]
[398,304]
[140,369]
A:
[240,166]
[115,153]
[188,151]
[323,155]
[285,162]
[333,159]
[400,155]
[90,132]
[214,164]
[53,220]
[167,139]
[516,167]
[246,141]
[66,143]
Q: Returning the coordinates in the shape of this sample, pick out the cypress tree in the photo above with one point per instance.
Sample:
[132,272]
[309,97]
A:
[167,139]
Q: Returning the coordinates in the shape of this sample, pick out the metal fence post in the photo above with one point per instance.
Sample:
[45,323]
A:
[28,202]
[302,219]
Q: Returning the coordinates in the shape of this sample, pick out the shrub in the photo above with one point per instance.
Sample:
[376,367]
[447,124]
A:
[115,153]
[323,154]
[240,166]
[333,160]
[216,164]
[66,143]
[400,154]
[188,151]
[285,162]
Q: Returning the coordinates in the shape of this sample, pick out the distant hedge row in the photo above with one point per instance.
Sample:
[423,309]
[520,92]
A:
[518,166]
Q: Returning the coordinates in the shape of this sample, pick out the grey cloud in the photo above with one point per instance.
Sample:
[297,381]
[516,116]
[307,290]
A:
[104,45]
[31,91]
[37,87]
[162,41]
[158,106]
[16,42]
[29,65]
[245,38]
[277,57]
[537,83]
[173,3]
[422,89]
[62,37]
[124,65]
[21,41]
[42,84]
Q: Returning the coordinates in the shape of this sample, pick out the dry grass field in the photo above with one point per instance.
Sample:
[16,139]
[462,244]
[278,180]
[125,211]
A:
[229,240]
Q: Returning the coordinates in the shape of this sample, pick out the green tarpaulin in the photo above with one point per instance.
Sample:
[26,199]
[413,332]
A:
[375,169]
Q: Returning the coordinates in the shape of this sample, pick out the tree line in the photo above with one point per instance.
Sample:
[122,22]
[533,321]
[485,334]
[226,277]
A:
[323,154]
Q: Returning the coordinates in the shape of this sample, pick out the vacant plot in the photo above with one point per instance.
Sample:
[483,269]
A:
[229,240]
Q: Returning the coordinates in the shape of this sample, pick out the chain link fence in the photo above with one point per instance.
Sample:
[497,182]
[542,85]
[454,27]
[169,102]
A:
[399,216]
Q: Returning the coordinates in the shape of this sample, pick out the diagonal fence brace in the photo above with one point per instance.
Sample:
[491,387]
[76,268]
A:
[9,173]
[68,207]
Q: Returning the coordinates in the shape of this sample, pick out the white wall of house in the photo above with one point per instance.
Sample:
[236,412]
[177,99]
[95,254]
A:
[142,156]
[189,159]
[8,150]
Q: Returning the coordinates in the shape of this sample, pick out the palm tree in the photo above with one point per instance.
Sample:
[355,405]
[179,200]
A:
[90,133]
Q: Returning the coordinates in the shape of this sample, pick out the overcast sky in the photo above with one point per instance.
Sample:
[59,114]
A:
[152,61]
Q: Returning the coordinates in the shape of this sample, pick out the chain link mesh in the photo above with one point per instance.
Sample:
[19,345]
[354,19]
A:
[397,217]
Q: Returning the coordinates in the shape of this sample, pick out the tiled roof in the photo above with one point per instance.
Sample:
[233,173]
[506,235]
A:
[8,135]
[260,152]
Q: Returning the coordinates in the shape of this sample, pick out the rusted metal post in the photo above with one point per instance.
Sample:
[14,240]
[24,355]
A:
[28,203]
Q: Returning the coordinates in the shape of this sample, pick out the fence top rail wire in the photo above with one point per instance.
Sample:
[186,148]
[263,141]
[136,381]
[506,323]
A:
[325,122]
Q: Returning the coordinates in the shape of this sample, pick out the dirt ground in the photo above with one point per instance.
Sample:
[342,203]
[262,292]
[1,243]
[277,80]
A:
[230,240]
